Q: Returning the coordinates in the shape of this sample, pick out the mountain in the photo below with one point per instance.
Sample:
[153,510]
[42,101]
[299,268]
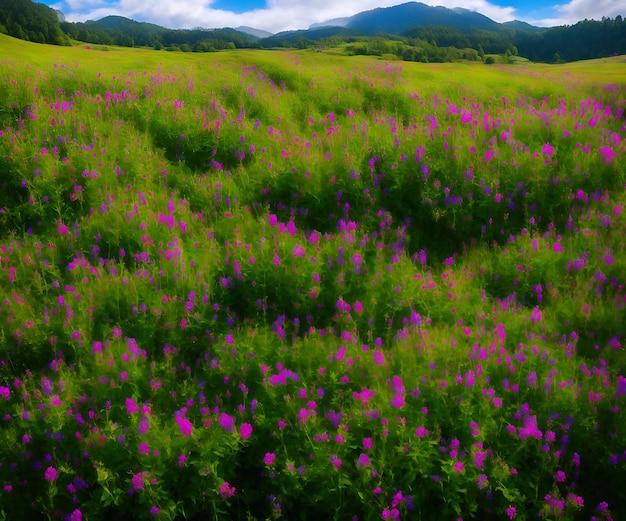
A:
[31,21]
[401,18]
[306,37]
[120,23]
[335,22]
[258,33]
[118,30]
[518,25]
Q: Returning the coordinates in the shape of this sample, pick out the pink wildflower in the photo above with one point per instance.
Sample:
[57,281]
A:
[51,474]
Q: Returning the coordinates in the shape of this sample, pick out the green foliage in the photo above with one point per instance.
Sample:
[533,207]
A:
[309,287]
[31,21]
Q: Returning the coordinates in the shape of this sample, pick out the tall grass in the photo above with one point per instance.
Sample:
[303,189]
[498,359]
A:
[263,285]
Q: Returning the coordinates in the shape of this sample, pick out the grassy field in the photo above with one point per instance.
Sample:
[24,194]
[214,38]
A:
[293,285]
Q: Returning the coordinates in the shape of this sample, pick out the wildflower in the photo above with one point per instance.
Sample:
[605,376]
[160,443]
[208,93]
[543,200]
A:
[367,443]
[397,401]
[245,430]
[51,474]
[535,316]
[379,357]
[576,501]
[421,432]
[547,150]
[226,490]
[602,507]
[335,461]
[511,511]
[269,458]
[482,481]
[479,460]
[62,228]
[185,425]
[144,425]
[138,480]
[143,448]
[607,153]
[76,515]
[131,406]
[363,460]
[227,422]
[155,511]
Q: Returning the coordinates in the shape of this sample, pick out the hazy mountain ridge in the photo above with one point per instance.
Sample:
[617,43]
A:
[335,22]
[252,31]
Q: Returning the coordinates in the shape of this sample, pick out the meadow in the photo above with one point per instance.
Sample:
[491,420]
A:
[289,285]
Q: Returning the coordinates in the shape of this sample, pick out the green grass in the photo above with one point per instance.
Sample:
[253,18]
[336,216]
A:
[264,285]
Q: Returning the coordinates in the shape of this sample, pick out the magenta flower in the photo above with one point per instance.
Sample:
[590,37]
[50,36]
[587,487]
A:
[137,480]
[397,401]
[607,153]
[245,430]
[335,461]
[185,425]
[62,228]
[226,490]
[131,406]
[227,422]
[421,432]
[51,474]
[547,150]
[269,458]
[363,460]
[511,511]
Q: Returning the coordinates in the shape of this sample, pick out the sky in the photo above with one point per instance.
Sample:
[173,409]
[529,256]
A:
[281,15]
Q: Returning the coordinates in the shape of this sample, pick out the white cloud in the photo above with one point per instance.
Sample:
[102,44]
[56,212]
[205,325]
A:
[577,10]
[283,15]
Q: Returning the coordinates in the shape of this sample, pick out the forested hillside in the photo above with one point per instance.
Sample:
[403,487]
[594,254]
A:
[31,21]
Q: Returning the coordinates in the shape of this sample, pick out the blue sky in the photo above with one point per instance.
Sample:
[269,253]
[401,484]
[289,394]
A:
[279,15]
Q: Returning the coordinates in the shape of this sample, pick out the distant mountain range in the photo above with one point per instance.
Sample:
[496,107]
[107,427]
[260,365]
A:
[401,20]
[258,33]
